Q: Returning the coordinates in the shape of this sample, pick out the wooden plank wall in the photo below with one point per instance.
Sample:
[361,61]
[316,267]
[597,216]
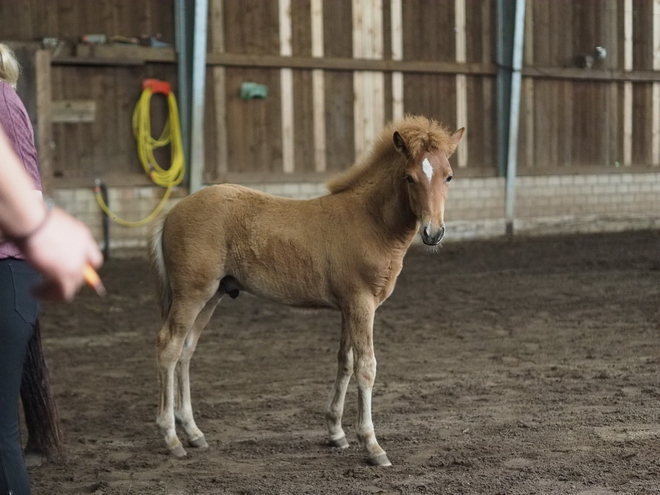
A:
[481,117]
[104,147]
[69,19]
[317,119]
[337,34]
[321,120]
[254,136]
[322,134]
[592,115]
[314,121]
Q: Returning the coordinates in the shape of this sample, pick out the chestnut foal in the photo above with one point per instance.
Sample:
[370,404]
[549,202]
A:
[342,251]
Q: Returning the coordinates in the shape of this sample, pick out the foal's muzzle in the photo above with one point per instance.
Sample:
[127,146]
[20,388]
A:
[431,238]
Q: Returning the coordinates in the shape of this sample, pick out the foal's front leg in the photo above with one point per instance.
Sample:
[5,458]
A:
[359,321]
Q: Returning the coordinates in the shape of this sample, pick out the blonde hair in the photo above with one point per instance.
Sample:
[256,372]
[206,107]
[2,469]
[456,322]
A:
[9,68]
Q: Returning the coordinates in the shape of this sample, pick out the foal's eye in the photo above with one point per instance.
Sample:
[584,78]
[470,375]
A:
[409,179]
[449,178]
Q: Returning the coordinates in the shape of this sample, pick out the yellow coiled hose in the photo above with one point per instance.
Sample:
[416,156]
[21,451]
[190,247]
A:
[146,144]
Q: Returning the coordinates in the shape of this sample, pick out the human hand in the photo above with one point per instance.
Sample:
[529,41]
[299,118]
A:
[60,250]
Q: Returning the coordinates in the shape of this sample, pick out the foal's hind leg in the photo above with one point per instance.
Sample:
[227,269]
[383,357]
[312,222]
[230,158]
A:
[181,318]
[335,408]
[183,412]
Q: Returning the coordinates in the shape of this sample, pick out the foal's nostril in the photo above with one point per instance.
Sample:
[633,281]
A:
[426,231]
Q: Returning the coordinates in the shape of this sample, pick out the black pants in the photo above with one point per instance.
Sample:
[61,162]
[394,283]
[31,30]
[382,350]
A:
[18,313]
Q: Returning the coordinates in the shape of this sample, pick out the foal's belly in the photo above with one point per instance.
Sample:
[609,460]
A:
[287,291]
[289,276]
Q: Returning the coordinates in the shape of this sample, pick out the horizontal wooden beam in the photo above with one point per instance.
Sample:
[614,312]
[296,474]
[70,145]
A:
[605,75]
[124,51]
[129,56]
[110,58]
[348,64]
[115,54]
[97,62]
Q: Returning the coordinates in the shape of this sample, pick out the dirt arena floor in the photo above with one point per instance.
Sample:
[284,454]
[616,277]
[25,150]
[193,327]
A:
[505,367]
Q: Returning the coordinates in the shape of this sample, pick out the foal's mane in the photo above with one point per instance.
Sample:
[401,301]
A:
[419,133]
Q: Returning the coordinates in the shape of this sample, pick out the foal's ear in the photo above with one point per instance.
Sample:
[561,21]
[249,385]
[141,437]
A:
[455,138]
[400,144]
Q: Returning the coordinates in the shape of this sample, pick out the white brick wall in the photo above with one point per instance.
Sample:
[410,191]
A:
[475,208]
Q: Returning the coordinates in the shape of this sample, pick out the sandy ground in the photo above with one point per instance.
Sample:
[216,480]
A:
[505,367]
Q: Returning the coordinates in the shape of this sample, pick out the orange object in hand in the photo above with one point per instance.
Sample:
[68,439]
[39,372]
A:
[93,280]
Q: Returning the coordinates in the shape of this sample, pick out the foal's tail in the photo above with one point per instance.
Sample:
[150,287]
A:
[158,262]
[41,416]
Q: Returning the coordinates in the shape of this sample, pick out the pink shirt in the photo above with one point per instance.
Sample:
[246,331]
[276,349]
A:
[16,123]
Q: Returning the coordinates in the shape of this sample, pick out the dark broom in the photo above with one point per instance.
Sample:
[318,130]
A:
[41,415]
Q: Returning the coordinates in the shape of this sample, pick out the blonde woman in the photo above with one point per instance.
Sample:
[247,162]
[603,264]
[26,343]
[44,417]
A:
[58,246]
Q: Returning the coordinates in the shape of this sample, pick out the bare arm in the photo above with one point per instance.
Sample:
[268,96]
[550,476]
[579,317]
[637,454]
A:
[40,196]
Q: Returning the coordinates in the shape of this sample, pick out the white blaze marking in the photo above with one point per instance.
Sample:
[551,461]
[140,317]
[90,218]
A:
[427,168]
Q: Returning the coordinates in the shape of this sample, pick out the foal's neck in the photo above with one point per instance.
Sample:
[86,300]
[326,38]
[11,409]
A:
[387,203]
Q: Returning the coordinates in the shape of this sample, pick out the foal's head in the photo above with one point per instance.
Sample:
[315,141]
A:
[426,147]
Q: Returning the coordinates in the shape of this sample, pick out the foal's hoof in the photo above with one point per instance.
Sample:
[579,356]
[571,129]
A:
[178,451]
[380,460]
[199,443]
[340,443]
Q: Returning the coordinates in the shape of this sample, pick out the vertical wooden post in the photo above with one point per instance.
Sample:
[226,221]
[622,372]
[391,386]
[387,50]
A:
[488,86]
[219,89]
[34,89]
[367,77]
[396,9]
[378,78]
[655,151]
[318,87]
[613,115]
[44,129]
[627,86]
[368,87]
[461,81]
[358,77]
[286,87]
